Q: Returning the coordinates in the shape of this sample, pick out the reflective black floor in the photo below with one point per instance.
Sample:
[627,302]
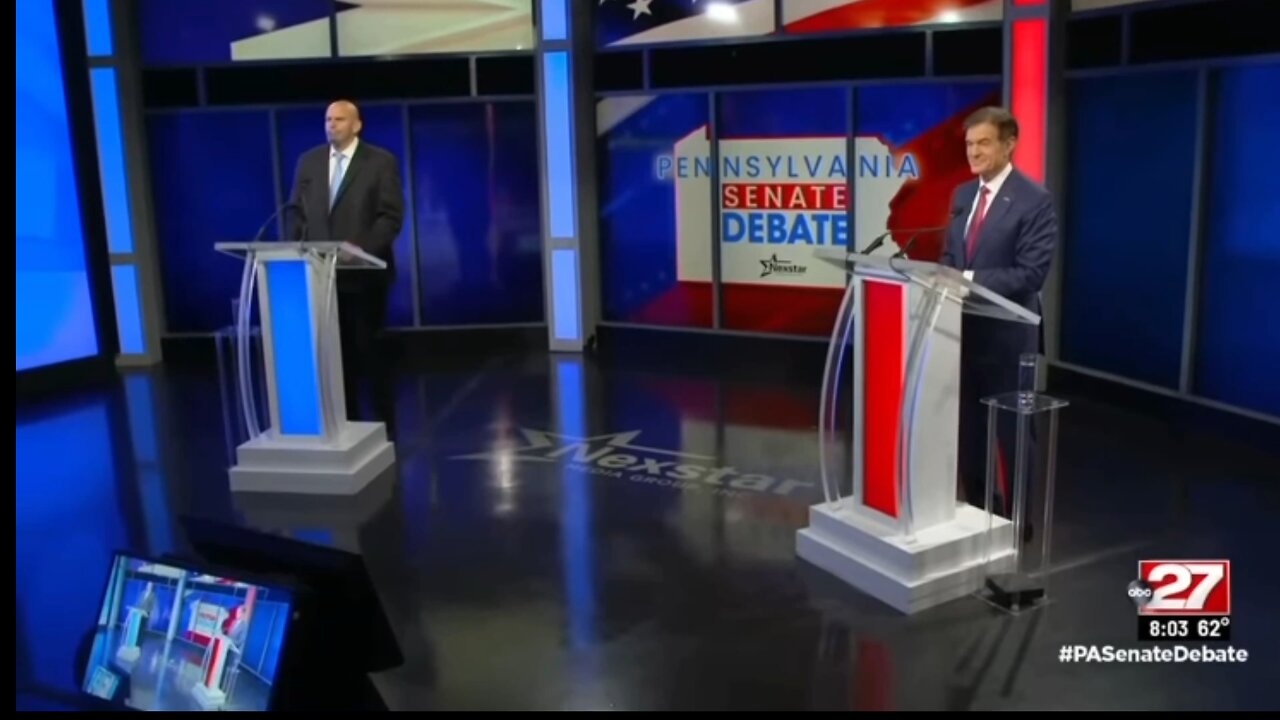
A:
[529,555]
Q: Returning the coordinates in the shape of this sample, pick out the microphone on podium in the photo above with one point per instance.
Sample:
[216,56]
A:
[258,235]
[876,243]
[902,252]
[302,207]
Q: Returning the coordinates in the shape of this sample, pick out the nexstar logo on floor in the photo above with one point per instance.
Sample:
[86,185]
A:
[614,456]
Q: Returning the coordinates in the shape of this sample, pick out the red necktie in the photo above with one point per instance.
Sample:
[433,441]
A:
[975,225]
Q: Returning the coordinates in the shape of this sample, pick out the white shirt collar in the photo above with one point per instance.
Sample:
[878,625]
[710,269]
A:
[348,153]
[996,182]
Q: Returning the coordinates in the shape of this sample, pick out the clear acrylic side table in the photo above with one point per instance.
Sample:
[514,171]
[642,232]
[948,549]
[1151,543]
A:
[1022,584]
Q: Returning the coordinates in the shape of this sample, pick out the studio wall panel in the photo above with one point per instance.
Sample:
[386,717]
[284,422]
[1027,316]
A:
[1238,349]
[476,198]
[1131,150]
[212,181]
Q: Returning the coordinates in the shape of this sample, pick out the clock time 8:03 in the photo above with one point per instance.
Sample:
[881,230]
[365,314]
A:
[1174,627]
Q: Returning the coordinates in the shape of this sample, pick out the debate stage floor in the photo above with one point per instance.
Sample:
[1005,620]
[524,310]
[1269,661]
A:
[517,579]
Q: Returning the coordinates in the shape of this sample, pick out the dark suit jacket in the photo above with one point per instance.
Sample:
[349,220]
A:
[1015,249]
[368,211]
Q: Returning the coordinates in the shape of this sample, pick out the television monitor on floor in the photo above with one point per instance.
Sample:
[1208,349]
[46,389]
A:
[346,602]
[173,636]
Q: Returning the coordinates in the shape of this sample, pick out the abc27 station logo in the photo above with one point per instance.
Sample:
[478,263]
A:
[1183,599]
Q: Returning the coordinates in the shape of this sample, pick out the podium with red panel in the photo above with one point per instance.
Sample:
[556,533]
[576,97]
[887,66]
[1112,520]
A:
[890,523]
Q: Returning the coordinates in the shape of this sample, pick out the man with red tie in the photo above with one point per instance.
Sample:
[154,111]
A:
[1002,235]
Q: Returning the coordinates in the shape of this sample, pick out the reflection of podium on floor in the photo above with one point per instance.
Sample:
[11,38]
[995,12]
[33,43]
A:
[891,525]
[310,446]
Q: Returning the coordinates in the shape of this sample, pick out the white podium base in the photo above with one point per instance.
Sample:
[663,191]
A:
[943,564]
[208,699]
[127,657]
[272,464]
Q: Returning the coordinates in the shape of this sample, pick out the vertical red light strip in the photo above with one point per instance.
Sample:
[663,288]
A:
[884,364]
[1029,93]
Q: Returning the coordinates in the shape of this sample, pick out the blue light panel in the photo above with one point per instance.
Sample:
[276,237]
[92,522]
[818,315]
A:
[555,20]
[564,300]
[557,98]
[294,370]
[124,283]
[115,188]
[97,26]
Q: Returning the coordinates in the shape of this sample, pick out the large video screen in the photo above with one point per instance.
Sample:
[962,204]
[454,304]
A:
[825,16]
[171,638]
[228,31]
[787,179]
[194,33]
[54,319]
[655,228]
[645,21]
[783,193]
[403,27]
[910,160]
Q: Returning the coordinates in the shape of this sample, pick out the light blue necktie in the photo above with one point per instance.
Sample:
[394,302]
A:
[339,160]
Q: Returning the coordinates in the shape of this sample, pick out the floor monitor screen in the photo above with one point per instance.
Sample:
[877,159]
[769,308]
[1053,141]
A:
[176,638]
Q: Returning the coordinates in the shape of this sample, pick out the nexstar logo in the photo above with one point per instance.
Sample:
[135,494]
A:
[614,456]
[782,267]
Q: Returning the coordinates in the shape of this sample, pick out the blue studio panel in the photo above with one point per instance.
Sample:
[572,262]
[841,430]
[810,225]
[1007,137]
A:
[1238,349]
[1132,154]
[300,129]
[555,19]
[565,302]
[557,119]
[476,202]
[214,184]
[115,183]
[97,27]
[54,310]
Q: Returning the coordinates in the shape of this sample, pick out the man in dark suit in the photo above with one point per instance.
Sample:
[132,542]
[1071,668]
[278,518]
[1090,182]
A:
[349,190]
[1003,238]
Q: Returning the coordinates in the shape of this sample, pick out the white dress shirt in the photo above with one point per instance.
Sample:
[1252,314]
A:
[347,154]
[993,189]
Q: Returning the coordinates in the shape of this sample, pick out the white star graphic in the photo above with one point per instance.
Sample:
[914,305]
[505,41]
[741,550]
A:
[640,7]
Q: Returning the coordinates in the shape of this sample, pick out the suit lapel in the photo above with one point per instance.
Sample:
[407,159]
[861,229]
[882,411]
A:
[357,162]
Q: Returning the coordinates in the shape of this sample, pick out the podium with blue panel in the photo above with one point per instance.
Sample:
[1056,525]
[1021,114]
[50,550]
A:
[309,445]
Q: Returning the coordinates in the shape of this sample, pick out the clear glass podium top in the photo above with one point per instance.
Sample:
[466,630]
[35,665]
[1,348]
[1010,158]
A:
[974,299]
[349,256]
